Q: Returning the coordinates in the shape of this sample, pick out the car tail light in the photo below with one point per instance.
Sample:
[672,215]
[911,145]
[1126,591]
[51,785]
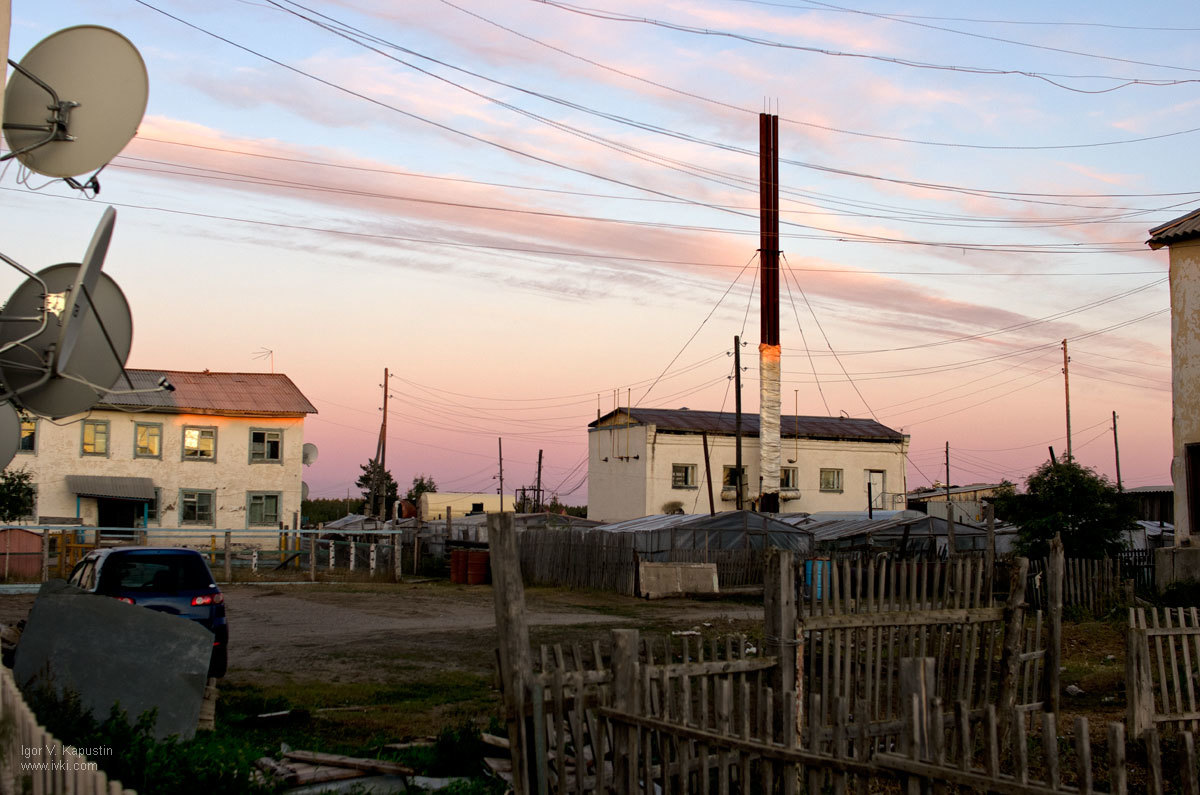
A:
[124,599]
[208,599]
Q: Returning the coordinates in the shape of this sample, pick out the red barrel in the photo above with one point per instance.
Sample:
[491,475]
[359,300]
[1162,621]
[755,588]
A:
[477,567]
[458,566]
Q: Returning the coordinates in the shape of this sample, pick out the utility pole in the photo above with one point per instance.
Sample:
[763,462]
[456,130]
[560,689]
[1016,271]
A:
[769,350]
[539,482]
[1067,391]
[737,421]
[949,506]
[378,480]
[1117,452]
[500,444]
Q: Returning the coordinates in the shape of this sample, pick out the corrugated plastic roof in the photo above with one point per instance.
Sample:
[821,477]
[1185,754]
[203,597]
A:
[121,488]
[724,422]
[266,394]
[1183,228]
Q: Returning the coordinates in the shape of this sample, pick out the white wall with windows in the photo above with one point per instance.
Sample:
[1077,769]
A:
[635,471]
[209,472]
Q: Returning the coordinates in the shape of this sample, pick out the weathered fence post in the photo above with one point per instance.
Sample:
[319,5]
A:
[397,548]
[312,557]
[1054,600]
[781,639]
[46,554]
[1014,631]
[918,687]
[228,556]
[371,560]
[626,700]
[254,560]
[516,665]
[1139,684]
[989,552]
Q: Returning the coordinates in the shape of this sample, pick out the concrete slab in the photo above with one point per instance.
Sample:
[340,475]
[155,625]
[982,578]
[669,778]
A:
[660,580]
[1173,564]
[110,652]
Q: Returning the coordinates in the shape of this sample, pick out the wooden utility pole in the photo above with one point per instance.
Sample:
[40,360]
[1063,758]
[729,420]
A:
[712,508]
[1117,452]
[379,480]
[737,417]
[500,444]
[1067,392]
[539,483]
[949,507]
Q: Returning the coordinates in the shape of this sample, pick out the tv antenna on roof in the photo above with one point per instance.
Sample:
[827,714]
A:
[94,83]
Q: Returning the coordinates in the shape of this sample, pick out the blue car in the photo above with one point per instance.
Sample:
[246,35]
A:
[167,579]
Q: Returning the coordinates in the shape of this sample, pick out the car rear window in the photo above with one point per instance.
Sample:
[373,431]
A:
[154,573]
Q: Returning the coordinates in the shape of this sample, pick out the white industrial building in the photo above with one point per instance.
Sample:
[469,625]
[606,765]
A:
[651,461]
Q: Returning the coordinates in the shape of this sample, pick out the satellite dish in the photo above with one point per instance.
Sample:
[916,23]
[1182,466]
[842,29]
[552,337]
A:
[102,342]
[303,491]
[309,456]
[94,82]
[10,433]
[82,290]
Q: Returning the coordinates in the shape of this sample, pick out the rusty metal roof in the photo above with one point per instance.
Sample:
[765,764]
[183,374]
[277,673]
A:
[247,394]
[724,422]
[1181,229]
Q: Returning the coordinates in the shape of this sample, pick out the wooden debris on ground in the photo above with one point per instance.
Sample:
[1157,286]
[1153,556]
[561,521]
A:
[313,767]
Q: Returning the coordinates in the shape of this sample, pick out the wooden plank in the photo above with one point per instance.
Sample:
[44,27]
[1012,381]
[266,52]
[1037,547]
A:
[1083,755]
[1154,760]
[351,762]
[1117,782]
[1050,748]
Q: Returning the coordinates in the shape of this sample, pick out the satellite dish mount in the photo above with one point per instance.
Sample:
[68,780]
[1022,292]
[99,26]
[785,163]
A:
[56,127]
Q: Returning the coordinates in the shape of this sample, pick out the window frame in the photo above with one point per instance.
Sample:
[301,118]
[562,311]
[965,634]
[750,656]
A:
[83,432]
[250,450]
[183,452]
[726,481]
[33,435]
[794,485]
[689,476]
[250,498]
[137,426]
[839,488]
[212,506]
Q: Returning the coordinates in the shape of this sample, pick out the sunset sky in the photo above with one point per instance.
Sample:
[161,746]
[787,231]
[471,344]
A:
[531,210]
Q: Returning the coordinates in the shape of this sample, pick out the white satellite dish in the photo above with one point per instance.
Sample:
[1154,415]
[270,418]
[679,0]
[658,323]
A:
[102,343]
[303,491]
[94,83]
[309,454]
[82,290]
[10,433]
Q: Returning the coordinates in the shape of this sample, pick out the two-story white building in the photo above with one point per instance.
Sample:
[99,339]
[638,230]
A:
[649,461]
[222,451]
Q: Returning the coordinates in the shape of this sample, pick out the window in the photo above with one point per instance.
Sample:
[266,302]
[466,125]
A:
[199,444]
[729,477]
[28,436]
[153,507]
[266,446]
[196,507]
[95,437]
[147,440]
[788,478]
[683,476]
[31,515]
[831,480]
[263,508]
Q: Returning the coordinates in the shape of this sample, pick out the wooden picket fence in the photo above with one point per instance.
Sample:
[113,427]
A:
[1096,586]
[1162,668]
[685,716]
[32,760]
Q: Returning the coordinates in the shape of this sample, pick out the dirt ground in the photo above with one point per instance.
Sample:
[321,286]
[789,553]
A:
[364,631]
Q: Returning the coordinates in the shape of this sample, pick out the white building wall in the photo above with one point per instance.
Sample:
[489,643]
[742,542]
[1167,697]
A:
[617,463]
[1185,370]
[620,489]
[230,474]
[435,504]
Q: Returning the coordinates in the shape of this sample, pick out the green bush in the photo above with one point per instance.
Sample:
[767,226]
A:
[207,764]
